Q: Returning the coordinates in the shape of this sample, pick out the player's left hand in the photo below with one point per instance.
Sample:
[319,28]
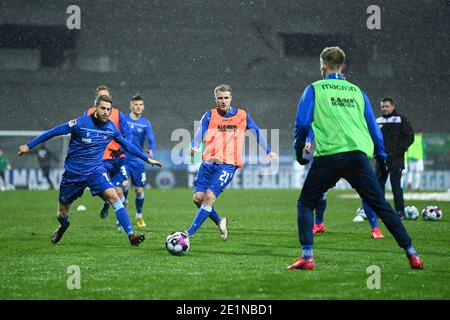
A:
[23,149]
[154,162]
[193,151]
[272,156]
[307,147]
[150,153]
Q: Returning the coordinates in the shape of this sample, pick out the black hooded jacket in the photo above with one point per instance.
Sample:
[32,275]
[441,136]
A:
[398,135]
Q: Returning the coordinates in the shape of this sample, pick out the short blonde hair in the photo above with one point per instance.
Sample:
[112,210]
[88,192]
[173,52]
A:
[222,88]
[333,57]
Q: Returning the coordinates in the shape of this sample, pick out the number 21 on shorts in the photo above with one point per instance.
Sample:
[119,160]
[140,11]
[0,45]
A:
[225,176]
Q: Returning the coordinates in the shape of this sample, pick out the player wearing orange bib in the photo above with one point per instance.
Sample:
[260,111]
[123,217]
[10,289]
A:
[222,129]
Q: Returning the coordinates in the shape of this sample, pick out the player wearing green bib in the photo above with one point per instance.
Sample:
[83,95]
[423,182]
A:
[346,135]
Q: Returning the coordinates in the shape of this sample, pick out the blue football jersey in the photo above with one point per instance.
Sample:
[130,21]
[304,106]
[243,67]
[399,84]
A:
[139,131]
[87,143]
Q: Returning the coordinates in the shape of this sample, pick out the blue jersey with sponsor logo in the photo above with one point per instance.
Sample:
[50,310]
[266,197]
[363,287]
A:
[139,131]
[87,143]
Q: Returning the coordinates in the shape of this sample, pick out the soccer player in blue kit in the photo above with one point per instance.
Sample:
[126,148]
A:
[90,134]
[139,131]
[113,157]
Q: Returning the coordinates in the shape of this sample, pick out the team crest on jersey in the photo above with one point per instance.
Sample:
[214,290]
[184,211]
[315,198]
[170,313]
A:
[73,122]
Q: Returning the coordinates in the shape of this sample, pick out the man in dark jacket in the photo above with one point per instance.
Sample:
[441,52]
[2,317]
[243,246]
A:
[398,135]
[45,157]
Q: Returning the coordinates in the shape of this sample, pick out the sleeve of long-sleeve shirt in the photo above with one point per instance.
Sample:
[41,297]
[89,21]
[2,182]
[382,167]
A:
[62,129]
[251,125]
[128,146]
[124,129]
[374,130]
[150,137]
[310,136]
[304,117]
[201,131]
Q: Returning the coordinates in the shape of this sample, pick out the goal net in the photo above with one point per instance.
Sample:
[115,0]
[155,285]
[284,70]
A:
[41,169]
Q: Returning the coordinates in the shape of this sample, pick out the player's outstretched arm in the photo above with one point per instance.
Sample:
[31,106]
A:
[133,150]
[251,125]
[64,128]
[150,138]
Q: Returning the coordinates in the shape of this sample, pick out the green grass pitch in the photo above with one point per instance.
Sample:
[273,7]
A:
[251,264]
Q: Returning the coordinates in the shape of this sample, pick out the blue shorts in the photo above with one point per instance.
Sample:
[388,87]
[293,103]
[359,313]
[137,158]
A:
[136,172]
[116,171]
[72,185]
[214,177]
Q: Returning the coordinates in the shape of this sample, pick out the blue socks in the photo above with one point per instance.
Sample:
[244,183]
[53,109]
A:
[122,216]
[371,215]
[202,214]
[410,251]
[307,251]
[139,203]
[62,220]
[214,216]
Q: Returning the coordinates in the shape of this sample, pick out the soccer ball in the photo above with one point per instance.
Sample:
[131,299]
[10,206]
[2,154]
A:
[360,212]
[411,213]
[432,213]
[177,243]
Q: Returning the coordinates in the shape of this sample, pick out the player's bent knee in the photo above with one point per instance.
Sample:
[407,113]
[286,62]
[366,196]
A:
[209,198]
[198,197]
[111,195]
[119,191]
[196,201]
